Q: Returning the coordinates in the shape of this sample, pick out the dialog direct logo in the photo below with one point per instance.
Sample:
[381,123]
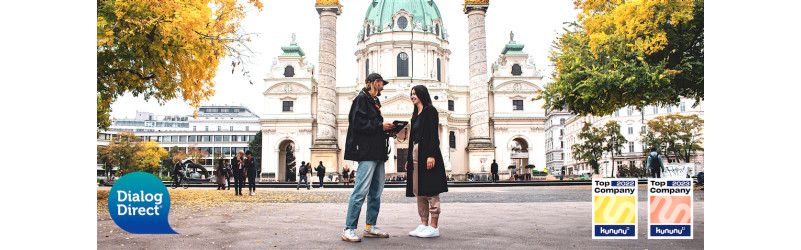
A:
[139,203]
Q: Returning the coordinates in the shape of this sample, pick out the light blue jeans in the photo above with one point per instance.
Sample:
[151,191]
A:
[304,179]
[369,184]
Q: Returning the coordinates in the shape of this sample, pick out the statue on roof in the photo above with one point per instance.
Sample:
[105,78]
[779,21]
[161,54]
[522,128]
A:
[511,37]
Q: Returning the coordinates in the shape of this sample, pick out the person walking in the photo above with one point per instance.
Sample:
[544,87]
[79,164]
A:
[250,167]
[346,175]
[239,172]
[366,142]
[427,170]
[320,173]
[654,163]
[303,171]
[494,170]
[221,173]
[178,170]
[228,174]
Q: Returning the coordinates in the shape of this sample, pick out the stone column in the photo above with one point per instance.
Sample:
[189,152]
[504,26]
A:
[325,145]
[479,146]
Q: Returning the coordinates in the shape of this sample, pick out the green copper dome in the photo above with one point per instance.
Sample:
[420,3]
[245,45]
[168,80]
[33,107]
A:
[380,12]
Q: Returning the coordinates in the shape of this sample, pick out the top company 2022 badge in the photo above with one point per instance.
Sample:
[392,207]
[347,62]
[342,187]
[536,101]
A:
[614,203]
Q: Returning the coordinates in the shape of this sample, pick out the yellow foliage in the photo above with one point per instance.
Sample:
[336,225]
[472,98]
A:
[638,21]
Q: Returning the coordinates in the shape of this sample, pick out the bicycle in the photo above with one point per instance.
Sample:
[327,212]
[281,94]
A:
[181,182]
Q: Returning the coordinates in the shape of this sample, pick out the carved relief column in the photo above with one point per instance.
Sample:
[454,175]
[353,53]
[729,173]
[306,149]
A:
[325,145]
[479,147]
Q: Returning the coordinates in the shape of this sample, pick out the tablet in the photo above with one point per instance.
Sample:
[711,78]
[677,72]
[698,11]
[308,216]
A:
[399,125]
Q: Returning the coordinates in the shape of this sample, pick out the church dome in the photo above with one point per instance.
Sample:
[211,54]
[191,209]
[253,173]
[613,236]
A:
[382,14]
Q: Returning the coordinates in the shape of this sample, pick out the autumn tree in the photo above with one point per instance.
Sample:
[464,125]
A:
[675,135]
[613,139]
[628,53]
[165,49]
[148,158]
[592,147]
[130,154]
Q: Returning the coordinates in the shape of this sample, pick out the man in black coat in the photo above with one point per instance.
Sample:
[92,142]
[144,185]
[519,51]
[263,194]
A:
[494,170]
[177,170]
[366,143]
[320,173]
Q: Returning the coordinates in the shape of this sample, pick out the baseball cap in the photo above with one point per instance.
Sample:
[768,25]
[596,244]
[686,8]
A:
[375,76]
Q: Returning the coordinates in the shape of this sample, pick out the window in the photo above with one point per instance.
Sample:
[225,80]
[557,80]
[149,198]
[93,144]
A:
[183,138]
[231,128]
[516,70]
[517,104]
[451,105]
[174,138]
[289,71]
[631,146]
[166,139]
[226,138]
[194,128]
[288,106]
[247,128]
[439,70]
[452,139]
[192,138]
[366,68]
[217,150]
[205,138]
[561,132]
[631,130]
[219,128]
[628,111]
[403,64]
[207,128]
[668,109]
[436,29]
[218,138]
[656,110]
[561,144]
[368,30]
[243,138]
[403,22]
[681,107]
[226,151]
[562,121]
[617,113]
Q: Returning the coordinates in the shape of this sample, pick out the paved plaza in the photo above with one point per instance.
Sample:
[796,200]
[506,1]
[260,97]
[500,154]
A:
[472,217]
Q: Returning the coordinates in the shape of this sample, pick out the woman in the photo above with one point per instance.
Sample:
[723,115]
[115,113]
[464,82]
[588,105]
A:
[426,171]
[239,172]
[221,174]
[346,175]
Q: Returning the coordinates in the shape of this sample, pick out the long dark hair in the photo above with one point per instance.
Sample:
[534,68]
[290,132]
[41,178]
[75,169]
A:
[422,95]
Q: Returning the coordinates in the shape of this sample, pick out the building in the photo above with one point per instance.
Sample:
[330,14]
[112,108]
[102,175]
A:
[632,121]
[217,129]
[406,42]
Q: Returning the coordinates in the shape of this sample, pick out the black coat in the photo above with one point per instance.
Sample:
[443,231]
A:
[238,167]
[320,170]
[494,168]
[432,181]
[366,140]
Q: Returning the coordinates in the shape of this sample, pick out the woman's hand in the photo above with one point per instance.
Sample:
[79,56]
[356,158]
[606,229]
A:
[430,163]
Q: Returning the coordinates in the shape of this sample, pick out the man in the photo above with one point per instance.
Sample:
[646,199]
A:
[250,167]
[366,143]
[654,164]
[562,173]
[302,171]
[177,170]
[494,170]
[320,173]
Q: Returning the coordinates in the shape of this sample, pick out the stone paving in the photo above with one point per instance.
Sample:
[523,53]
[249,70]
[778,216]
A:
[472,217]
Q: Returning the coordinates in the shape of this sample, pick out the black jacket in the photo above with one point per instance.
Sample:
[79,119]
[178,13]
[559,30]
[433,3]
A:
[494,167]
[179,166]
[320,170]
[366,140]
[431,181]
[238,167]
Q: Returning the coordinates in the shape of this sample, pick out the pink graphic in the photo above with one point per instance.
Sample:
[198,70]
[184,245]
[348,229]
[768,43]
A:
[670,209]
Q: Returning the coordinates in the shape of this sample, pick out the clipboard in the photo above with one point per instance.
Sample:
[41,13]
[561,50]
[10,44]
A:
[399,125]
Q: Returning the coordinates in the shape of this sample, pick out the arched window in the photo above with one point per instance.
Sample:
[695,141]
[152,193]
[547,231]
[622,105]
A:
[403,64]
[366,68]
[436,29]
[289,71]
[516,70]
[452,139]
[439,70]
[562,121]
[402,22]
[368,30]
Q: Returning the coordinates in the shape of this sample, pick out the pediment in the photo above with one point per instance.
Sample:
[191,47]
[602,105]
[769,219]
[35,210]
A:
[287,87]
[517,86]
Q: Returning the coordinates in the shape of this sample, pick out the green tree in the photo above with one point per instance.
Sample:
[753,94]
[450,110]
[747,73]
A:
[165,49]
[121,152]
[592,148]
[255,149]
[628,53]
[675,135]
[614,140]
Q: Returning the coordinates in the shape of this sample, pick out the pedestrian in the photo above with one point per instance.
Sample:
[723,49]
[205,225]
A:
[221,172]
[303,171]
[250,167]
[229,173]
[320,173]
[494,170]
[178,170]
[562,173]
[346,175]
[427,170]
[366,142]
[239,172]
[352,176]
[654,163]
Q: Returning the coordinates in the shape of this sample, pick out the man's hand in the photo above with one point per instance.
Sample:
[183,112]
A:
[430,163]
[388,126]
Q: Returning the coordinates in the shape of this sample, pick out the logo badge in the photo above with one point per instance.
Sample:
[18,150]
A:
[670,208]
[614,203]
[139,203]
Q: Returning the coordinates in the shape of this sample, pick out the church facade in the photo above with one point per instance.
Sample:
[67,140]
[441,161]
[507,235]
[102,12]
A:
[491,117]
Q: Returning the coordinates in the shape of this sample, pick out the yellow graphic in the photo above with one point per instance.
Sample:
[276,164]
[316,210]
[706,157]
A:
[614,209]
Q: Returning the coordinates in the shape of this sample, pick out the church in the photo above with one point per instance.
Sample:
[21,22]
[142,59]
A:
[490,117]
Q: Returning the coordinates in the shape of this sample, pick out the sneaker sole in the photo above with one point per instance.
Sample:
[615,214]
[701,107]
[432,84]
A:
[375,236]
[350,240]
[433,236]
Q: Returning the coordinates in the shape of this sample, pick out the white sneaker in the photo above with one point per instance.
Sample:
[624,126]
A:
[374,232]
[429,232]
[417,230]
[350,236]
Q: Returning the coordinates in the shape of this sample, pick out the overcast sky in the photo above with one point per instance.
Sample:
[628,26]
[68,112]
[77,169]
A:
[534,23]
